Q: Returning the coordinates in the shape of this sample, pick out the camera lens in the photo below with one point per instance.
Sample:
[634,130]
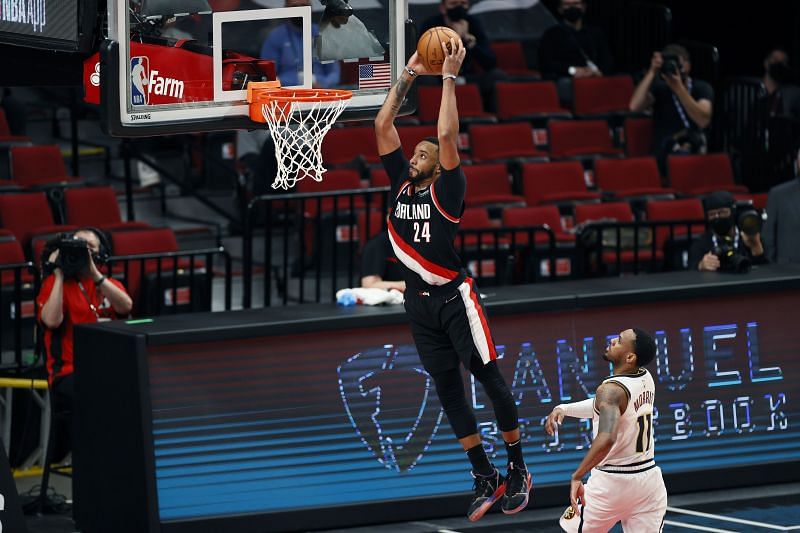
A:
[749,221]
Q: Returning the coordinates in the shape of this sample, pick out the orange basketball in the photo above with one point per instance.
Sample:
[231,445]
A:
[430,50]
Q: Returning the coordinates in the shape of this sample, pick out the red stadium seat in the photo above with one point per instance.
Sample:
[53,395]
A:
[11,253]
[377,223]
[343,146]
[493,142]
[544,215]
[528,100]
[511,59]
[477,218]
[468,96]
[334,180]
[702,174]
[630,177]
[580,138]
[638,136]
[489,184]
[96,206]
[378,177]
[560,182]
[619,212]
[759,200]
[411,136]
[666,210]
[602,95]
[38,165]
[27,215]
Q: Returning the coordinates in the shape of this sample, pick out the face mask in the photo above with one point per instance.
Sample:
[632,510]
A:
[457,13]
[722,226]
[572,14]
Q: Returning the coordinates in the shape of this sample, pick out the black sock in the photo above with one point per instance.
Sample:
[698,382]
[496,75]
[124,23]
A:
[480,462]
[514,451]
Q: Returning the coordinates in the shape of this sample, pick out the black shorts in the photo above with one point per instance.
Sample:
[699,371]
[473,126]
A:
[451,328]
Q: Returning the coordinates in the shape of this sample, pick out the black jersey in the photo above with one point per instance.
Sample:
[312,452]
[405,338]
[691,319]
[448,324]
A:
[423,224]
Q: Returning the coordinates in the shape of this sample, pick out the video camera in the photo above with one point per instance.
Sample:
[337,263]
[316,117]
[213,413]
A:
[73,256]
[748,221]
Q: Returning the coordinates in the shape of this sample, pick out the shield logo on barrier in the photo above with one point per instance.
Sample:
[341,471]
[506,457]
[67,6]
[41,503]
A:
[391,402]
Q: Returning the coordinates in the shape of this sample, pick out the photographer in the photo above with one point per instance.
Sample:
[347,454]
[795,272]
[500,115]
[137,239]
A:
[733,242]
[74,292]
[681,105]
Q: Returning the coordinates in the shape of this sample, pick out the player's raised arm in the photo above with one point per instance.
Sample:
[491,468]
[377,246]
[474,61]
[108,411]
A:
[385,132]
[447,127]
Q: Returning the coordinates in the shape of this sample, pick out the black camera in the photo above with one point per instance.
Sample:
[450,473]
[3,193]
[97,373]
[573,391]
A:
[73,256]
[729,259]
[671,64]
[748,219]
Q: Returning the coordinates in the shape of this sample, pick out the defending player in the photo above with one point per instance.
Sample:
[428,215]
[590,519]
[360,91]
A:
[625,484]
[445,310]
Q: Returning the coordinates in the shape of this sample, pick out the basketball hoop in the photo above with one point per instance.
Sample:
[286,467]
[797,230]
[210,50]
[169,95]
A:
[298,120]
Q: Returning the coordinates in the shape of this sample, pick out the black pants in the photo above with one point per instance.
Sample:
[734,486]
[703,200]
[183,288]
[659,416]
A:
[450,328]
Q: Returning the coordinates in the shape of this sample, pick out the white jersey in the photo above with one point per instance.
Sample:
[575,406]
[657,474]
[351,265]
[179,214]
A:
[634,448]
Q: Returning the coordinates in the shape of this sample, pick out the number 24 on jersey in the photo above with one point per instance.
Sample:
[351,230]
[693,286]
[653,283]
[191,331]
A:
[422,231]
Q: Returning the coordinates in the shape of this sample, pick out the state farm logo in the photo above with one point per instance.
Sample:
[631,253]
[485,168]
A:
[146,82]
[397,427]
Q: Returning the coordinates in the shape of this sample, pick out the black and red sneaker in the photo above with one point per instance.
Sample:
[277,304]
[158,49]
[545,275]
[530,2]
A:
[488,489]
[518,486]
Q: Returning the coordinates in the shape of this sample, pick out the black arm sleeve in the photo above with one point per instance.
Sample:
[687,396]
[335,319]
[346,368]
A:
[396,167]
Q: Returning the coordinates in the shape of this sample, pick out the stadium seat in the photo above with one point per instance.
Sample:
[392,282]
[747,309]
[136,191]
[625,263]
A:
[602,95]
[638,136]
[560,182]
[470,105]
[33,166]
[477,218]
[702,174]
[528,100]
[619,212]
[378,177]
[411,136]
[581,139]
[499,142]
[11,253]
[334,180]
[489,184]
[511,59]
[626,178]
[377,223]
[27,215]
[348,145]
[670,210]
[96,206]
[544,215]
[758,200]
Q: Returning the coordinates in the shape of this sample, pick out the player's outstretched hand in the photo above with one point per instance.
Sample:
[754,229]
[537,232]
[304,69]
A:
[554,420]
[453,57]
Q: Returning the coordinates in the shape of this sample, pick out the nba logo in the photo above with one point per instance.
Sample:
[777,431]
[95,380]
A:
[140,78]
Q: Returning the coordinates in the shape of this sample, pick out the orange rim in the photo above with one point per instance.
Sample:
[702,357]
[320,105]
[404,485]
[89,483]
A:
[280,98]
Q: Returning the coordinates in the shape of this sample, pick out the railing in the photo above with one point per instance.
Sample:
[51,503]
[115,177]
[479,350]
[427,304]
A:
[14,317]
[317,225]
[644,240]
[189,287]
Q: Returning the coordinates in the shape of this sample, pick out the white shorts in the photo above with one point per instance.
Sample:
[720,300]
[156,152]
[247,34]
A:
[638,500]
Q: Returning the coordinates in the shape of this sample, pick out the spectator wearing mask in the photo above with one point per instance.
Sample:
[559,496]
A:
[779,96]
[723,247]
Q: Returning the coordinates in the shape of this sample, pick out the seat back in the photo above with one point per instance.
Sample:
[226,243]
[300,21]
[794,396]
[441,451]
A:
[622,174]
[541,179]
[638,136]
[510,55]
[411,136]
[23,213]
[577,137]
[501,141]
[476,218]
[685,209]
[468,97]
[31,165]
[599,95]
[696,171]
[619,211]
[91,206]
[543,215]
[343,145]
[526,98]
[486,179]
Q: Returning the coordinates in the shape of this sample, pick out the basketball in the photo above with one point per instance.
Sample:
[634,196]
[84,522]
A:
[430,50]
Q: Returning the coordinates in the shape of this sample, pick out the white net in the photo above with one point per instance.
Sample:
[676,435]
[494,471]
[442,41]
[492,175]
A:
[297,129]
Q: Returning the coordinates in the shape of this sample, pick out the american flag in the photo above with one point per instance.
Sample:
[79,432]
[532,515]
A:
[374,76]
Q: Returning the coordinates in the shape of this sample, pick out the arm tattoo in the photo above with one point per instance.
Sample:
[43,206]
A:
[400,90]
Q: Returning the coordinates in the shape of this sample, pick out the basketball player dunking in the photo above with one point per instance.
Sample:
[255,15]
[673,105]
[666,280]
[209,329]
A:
[445,310]
[625,484]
